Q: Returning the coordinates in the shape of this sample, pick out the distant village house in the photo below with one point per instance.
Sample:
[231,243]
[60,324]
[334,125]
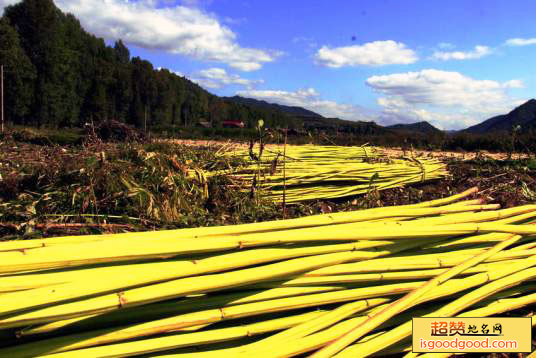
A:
[233,124]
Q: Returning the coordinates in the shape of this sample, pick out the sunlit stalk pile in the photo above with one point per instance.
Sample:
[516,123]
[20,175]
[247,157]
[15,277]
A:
[314,153]
[344,284]
[300,173]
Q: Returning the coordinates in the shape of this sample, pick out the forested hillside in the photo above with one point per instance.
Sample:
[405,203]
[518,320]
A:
[58,75]
[420,127]
[292,110]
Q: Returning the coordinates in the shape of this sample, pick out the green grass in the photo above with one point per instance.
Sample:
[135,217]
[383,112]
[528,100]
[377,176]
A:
[62,137]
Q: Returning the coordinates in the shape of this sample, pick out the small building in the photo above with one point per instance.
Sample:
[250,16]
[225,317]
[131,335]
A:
[233,124]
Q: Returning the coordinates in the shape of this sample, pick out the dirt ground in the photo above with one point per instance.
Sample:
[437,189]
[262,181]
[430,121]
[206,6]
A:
[455,155]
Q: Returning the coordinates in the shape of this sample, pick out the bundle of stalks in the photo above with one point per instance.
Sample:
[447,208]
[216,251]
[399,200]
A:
[316,172]
[344,284]
[313,153]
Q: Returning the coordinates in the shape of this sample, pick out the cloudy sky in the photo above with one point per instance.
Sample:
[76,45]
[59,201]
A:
[452,63]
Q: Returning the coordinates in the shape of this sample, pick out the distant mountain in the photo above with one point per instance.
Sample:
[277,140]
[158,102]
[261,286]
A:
[292,110]
[341,125]
[313,121]
[420,127]
[524,116]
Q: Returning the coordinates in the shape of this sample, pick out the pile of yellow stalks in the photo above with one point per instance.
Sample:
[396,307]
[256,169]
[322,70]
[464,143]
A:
[345,284]
[300,173]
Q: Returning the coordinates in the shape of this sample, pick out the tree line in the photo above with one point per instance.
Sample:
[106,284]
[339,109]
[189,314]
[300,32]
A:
[58,75]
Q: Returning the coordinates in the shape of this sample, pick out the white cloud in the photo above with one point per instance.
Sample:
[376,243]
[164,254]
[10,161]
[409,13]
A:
[310,99]
[478,52]
[406,114]
[217,78]
[520,42]
[514,84]
[447,99]
[246,66]
[160,25]
[377,53]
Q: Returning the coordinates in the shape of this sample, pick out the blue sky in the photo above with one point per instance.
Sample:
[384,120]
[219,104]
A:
[452,63]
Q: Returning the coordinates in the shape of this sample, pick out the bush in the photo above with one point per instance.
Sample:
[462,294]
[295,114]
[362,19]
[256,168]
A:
[32,136]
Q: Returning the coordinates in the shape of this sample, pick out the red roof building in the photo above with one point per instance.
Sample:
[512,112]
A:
[233,124]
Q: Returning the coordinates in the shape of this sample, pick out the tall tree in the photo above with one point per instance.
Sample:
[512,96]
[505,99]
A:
[19,76]
[38,23]
[121,52]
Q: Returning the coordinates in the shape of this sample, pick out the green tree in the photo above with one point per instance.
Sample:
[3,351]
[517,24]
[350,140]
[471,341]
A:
[43,35]
[19,76]
[121,52]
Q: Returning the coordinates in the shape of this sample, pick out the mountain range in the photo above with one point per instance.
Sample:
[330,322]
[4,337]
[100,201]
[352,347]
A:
[292,110]
[523,116]
[313,120]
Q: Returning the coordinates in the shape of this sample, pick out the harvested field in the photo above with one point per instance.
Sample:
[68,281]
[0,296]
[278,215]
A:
[40,184]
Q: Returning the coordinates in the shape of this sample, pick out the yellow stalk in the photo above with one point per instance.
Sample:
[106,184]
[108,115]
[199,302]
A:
[167,290]
[122,250]
[161,271]
[407,301]
[430,261]
[146,274]
[159,310]
[172,324]
[509,274]
[169,342]
[305,280]
[306,328]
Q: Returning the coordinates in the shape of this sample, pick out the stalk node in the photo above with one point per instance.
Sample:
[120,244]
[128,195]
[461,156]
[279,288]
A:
[122,299]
